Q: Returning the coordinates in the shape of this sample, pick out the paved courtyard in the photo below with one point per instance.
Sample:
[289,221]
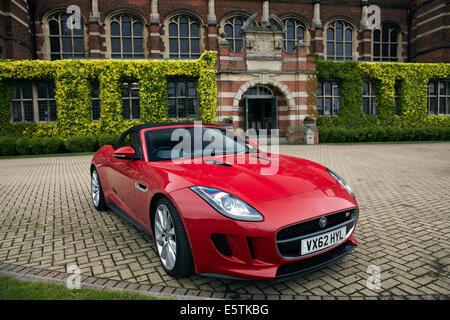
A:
[47,221]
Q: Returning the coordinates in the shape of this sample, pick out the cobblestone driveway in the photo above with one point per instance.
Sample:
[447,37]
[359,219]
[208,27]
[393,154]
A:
[47,221]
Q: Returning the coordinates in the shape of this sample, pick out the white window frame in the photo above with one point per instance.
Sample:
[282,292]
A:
[131,85]
[371,97]
[231,20]
[438,96]
[354,41]
[35,102]
[389,42]
[117,18]
[178,54]
[56,16]
[333,97]
[186,81]
[297,23]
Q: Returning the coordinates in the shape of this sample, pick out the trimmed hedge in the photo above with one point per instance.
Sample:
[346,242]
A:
[23,145]
[44,145]
[107,139]
[374,134]
[7,146]
[81,144]
[51,145]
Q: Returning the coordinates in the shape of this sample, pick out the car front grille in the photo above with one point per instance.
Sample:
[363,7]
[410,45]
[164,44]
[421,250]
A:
[289,238]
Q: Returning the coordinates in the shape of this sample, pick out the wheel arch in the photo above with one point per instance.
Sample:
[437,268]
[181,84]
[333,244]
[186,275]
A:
[153,203]
[156,197]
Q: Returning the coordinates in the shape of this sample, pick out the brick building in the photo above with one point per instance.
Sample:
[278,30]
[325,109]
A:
[263,46]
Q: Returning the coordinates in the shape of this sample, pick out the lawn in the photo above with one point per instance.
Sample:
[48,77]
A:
[14,289]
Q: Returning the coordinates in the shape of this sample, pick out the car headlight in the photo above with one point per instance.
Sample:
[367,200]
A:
[341,182]
[227,204]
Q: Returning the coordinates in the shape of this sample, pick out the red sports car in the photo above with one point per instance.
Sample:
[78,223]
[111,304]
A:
[211,210]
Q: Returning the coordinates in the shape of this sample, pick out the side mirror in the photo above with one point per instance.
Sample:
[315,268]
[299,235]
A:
[125,153]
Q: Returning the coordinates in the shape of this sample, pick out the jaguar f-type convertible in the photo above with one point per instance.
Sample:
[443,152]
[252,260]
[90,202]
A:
[202,193]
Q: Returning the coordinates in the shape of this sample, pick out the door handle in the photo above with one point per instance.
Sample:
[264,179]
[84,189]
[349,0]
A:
[140,187]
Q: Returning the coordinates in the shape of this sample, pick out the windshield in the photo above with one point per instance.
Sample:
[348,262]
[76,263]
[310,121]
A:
[191,142]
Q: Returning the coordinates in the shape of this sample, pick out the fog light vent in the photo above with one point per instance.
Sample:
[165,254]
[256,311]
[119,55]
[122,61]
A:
[221,243]
[250,247]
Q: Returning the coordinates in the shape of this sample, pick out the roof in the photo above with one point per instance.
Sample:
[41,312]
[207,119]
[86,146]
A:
[139,127]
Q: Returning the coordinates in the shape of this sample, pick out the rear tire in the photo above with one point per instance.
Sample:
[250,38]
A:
[97,195]
[172,243]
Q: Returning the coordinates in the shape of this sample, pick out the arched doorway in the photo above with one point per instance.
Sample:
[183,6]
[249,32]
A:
[260,108]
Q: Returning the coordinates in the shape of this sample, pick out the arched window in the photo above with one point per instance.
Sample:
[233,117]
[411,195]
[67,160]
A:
[65,42]
[295,29]
[184,37]
[258,91]
[127,40]
[232,28]
[385,43]
[339,41]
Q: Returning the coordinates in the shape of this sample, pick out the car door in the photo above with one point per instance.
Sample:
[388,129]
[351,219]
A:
[140,186]
[123,173]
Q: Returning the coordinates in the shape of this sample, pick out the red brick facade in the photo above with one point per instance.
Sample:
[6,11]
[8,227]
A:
[422,28]
[430,31]
[16,39]
[423,23]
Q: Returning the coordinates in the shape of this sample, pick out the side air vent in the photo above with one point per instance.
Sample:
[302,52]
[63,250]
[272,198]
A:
[221,243]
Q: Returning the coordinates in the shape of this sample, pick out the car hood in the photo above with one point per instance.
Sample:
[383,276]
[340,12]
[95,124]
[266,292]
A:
[238,176]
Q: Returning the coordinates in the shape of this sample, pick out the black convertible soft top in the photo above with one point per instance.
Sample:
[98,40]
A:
[139,127]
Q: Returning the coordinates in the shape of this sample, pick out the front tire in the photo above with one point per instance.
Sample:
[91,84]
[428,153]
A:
[98,197]
[172,243]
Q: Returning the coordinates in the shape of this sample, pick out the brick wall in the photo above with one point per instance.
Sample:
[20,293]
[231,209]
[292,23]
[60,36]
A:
[15,33]
[430,31]
[429,21]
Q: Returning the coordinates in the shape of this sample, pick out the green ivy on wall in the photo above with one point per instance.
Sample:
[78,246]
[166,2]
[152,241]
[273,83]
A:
[73,80]
[413,81]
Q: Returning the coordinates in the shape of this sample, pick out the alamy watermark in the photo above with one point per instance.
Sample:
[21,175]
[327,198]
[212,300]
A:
[194,145]
[374,280]
[373,17]
[74,19]
[74,280]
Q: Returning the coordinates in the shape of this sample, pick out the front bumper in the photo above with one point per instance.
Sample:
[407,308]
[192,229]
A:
[308,265]
[227,248]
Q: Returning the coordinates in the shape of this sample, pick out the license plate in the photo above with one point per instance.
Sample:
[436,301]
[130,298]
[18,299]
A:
[323,241]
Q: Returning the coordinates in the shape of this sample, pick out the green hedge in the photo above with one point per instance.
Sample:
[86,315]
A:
[44,145]
[413,79]
[51,145]
[374,134]
[7,146]
[73,80]
[81,144]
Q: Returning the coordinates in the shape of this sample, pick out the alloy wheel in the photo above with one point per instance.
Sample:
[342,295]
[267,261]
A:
[95,188]
[165,237]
